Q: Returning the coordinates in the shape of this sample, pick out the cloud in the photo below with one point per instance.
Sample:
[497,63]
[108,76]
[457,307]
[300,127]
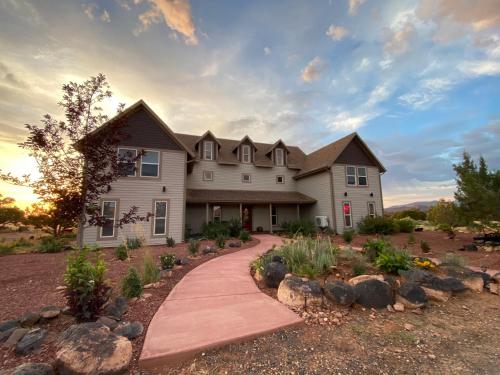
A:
[123,3]
[175,13]
[480,68]
[427,93]
[354,5]
[105,16]
[314,69]
[267,51]
[364,64]
[89,10]
[10,78]
[399,41]
[347,121]
[336,32]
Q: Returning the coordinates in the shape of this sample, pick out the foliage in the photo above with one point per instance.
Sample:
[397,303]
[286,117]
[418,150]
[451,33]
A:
[51,216]
[307,270]
[245,236]
[121,252]
[51,244]
[451,259]
[259,264]
[411,239]
[234,227]
[212,230]
[6,249]
[424,263]
[374,247]
[220,241]
[445,214]
[167,261]
[133,243]
[86,291]
[414,214]
[22,242]
[9,214]
[150,271]
[406,225]
[170,242]
[358,269]
[348,235]
[194,247]
[378,225]
[93,247]
[392,260]
[424,246]
[132,285]
[302,227]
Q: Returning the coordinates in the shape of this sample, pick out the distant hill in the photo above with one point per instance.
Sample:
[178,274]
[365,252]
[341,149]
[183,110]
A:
[422,206]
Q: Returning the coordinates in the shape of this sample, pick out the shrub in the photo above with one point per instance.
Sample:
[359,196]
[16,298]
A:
[121,252]
[306,270]
[348,235]
[411,239]
[86,291]
[391,261]
[22,242]
[170,242]
[213,230]
[261,262]
[406,225]
[245,236]
[94,247]
[220,241]
[302,227]
[167,261]
[50,245]
[150,271]
[324,256]
[358,269]
[132,284]
[133,243]
[234,227]
[414,214]
[378,225]
[6,249]
[451,259]
[425,246]
[374,247]
[194,247]
[306,254]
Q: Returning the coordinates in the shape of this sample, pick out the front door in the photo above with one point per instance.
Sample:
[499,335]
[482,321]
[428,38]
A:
[246,218]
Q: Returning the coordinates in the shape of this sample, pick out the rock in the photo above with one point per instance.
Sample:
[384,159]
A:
[146,296]
[235,244]
[31,342]
[374,293]
[182,262]
[66,310]
[390,308]
[14,338]
[474,283]
[277,258]
[165,274]
[258,276]
[429,280]
[437,295]
[8,324]
[50,312]
[494,288]
[495,277]
[90,348]
[130,330]
[470,247]
[152,285]
[274,273]
[117,308]
[4,335]
[408,326]
[419,229]
[416,275]
[340,293]
[108,322]
[61,288]
[29,318]
[34,369]
[296,292]
[413,293]
[358,279]
[447,284]
[398,306]
[209,250]
[486,278]
[407,304]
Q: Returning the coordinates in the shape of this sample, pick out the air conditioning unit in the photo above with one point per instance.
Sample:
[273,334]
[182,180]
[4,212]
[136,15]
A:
[321,221]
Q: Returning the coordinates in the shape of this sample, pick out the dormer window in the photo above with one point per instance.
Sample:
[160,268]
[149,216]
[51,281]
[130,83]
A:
[279,157]
[246,154]
[208,150]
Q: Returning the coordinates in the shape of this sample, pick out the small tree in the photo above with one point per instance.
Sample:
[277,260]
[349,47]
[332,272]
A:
[54,217]
[444,213]
[9,214]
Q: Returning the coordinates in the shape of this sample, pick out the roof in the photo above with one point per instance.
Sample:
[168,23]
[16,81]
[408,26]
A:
[246,196]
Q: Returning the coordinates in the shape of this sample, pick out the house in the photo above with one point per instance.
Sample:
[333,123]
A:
[186,180]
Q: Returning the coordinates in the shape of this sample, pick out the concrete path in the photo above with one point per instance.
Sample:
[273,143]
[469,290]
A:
[215,304]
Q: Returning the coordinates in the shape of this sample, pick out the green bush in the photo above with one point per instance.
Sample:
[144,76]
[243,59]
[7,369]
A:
[150,271]
[451,259]
[50,245]
[391,261]
[94,247]
[406,225]
[307,270]
[302,227]
[220,241]
[412,214]
[378,225]
[348,235]
[213,230]
[133,243]
[194,247]
[234,227]
[374,247]
[167,261]
[261,262]
[170,242]
[6,249]
[358,269]
[22,242]
[86,291]
[411,239]
[121,252]
[245,236]
[132,284]
[425,246]
[304,254]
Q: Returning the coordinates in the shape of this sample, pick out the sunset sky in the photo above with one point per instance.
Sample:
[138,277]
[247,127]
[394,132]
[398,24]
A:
[418,80]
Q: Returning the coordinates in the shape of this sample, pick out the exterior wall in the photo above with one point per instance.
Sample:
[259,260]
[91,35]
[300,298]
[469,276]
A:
[228,177]
[141,192]
[285,213]
[358,196]
[317,186]
[195,217]
[261,217]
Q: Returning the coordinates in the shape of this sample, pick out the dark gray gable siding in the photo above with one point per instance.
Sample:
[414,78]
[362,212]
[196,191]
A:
[354,153]
[143,130]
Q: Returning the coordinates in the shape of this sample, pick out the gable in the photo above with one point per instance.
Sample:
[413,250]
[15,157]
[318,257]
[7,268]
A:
[355,153]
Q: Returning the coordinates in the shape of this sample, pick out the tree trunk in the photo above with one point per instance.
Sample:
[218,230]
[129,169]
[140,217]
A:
[82,217]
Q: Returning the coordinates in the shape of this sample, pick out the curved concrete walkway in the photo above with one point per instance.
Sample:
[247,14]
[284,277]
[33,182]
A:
[215,304]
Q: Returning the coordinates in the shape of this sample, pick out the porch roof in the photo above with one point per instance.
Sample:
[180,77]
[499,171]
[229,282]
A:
[246,196]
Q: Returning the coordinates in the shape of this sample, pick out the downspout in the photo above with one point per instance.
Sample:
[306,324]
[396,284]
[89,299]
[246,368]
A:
[332,191]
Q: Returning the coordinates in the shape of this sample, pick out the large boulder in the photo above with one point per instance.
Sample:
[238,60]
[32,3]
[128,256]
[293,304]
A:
[31,341]
[496,277]
[4,335]
[274,273]
[361,278]
[436,295]
[429,280]
[108,322]
[416,275]
[117,308]
[297,292]
[14,338]
[8,324]
[413,293]
[91,348]
[340,293]
[475,283]
[34,369]
[50,312]
[447,284]
[130,330]
[374,293]
[29,318]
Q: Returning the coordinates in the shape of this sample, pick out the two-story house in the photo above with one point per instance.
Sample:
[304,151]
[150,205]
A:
[185,180]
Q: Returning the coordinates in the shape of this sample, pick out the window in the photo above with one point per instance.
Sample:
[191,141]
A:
[346,209]
[371,209]
[217,214]
[160,222]
[362,180]
[150,164]
[126,160]
[246,177]
[280,160]
[350,176]
[208,175]
[108,212]
[280,179]
[246,154]
[274,215]
[208,148]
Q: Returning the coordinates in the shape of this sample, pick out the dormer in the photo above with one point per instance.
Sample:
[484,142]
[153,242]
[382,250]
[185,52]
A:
[245,150]
[208,146]
[278,154]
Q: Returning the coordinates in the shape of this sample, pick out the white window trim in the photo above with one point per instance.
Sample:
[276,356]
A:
[160,217]
[350,213]
[374,209]
[211,149]
[246,151]
[135,163]
[274,216]
[347,175]
[204,175]
[282,162]
[249,178]
[114,217]
[358,176]
[282,177]
[213,213]
[157,164]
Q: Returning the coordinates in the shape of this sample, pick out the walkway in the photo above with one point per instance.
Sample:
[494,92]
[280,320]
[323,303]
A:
[215,304]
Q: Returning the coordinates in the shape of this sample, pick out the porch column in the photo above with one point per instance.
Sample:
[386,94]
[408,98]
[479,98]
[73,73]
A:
[206,213]
[241,213]
[298,211]
[270,218]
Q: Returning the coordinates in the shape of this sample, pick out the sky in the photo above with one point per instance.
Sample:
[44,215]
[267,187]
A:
[418,80]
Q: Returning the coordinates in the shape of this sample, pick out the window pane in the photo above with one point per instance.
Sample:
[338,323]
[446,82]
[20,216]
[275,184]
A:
[208,146]
[347,209]
[351,180]
[217,211]
[279,156]
[150,170]
[362,181]
[351,171]
[127,153]
[161,209]
[362,171]
[347,221]
[150,157]
[125,157]
[108,210]
[160,226]
[108,229]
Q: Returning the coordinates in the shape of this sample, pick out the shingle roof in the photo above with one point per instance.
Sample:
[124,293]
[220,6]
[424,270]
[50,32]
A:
[246,196]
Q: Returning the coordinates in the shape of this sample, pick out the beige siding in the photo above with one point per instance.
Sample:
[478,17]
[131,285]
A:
[358,196]
[141,192]
[195,217]
[317,186]
[261,218]
[285,213]
[228,177]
